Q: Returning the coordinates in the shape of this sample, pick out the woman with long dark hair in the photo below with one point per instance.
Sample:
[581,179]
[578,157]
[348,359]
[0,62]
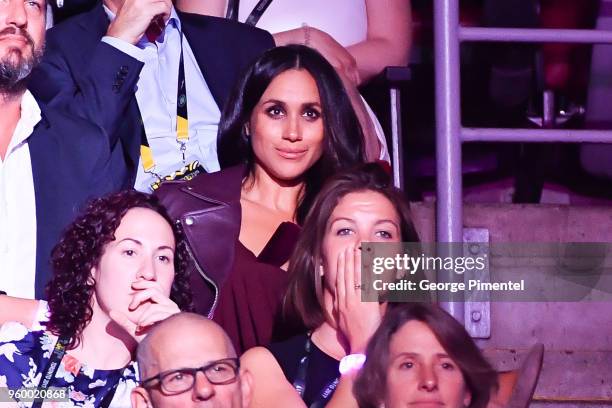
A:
[119,268]
[358,37]
[287,127]
[332,113]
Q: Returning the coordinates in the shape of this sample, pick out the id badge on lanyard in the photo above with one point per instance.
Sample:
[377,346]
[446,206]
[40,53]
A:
[188,170]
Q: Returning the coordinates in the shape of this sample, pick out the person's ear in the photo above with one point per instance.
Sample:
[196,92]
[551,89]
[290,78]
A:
[91,280]
[140,398]
[246,386]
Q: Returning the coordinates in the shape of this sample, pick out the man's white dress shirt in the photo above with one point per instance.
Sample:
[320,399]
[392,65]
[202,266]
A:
[18,207]
[156,95]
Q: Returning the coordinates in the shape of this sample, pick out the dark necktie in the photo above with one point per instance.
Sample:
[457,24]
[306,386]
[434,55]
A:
[155,29]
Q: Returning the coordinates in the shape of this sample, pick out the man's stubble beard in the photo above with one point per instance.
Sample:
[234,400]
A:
[16,69]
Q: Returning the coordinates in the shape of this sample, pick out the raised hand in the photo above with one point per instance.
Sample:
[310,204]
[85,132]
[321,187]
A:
[357,320]
[153,307]
[336,54]
[135,16]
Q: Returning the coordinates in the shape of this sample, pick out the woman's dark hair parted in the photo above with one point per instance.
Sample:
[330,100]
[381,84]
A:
[304,297]
[480,378]
[80,249]
[343,145]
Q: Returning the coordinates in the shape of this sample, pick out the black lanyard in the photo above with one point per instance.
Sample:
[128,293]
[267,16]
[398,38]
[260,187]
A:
[299,383]
[188,170]
[51,369]
[182,122]
[54,361]
[234,5]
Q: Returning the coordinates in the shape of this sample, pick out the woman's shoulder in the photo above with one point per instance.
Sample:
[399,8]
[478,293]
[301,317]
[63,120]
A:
[270,387]
[221,188]
[219,181]
[23,354]
[260,361]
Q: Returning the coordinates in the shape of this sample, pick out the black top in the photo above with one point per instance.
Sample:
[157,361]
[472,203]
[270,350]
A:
[322,369]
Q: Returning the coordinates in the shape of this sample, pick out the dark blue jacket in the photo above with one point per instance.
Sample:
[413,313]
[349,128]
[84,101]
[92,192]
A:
[94,80]
[71,163]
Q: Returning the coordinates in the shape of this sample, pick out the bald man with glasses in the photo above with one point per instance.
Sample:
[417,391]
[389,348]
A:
[188,361]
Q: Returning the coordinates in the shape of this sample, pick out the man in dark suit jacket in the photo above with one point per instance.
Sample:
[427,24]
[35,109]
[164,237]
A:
[71,164]
[83,73]
[50,163]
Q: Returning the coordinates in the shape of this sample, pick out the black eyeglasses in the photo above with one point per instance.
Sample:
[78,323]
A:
[218,372]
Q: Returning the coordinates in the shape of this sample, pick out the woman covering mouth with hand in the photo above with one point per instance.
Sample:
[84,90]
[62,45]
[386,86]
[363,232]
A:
[118,269]
[315,368]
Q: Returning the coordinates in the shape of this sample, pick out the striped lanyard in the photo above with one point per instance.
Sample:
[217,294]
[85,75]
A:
[182,123]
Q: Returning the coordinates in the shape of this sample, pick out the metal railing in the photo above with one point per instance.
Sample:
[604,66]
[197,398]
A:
[448,35]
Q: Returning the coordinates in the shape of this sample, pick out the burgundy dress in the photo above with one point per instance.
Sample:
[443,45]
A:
[250,300]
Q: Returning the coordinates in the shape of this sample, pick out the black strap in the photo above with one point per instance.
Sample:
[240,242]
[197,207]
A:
[234,5]
[326,394]
[257,12]
[299,383]
[108,398]
[232,10]
[181,92]
[182,125]
[51,369]
[54,361]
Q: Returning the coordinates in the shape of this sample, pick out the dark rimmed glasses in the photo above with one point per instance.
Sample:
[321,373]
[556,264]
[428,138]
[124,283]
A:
[218,372]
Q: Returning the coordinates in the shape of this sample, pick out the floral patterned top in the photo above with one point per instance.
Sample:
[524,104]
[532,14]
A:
[24,354]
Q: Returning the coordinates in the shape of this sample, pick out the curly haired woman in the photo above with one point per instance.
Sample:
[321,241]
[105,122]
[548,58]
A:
[118,269]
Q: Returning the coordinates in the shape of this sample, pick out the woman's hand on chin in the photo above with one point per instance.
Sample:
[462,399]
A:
[357,320]
[153,306]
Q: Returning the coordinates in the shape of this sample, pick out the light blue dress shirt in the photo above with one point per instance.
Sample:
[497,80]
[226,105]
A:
[156,94]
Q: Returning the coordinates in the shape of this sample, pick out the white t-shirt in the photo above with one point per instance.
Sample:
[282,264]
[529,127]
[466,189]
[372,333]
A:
[345,20]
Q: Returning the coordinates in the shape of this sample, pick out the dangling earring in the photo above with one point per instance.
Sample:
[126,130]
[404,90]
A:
[247,133]
[321,271]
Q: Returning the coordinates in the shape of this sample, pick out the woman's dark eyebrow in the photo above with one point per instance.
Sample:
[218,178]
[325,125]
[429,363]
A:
[311,104]
[140,243]
[387,221]
[409,354]
[281,103]
[274,101]
[131,239]
[342,219]
[331,222]
[406,354]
